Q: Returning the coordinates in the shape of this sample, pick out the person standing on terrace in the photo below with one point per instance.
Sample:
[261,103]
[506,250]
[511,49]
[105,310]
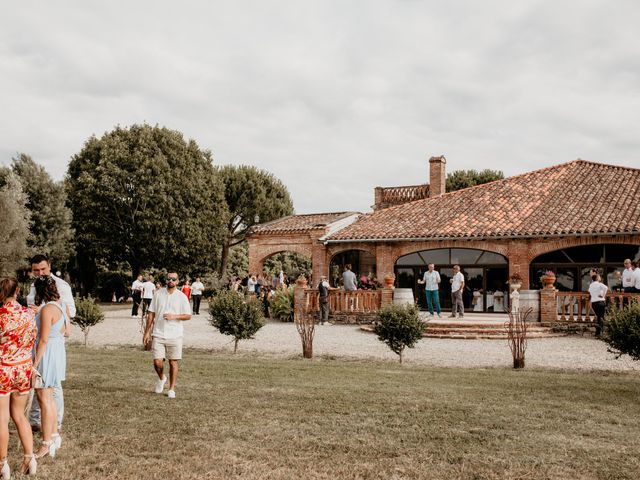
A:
[349,279]
[628,280]
[431,281]
[598,294]
[457,287]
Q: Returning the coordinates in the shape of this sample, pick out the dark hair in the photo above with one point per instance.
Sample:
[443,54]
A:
[348,266]
[39,258]
[46,289]
[8,288]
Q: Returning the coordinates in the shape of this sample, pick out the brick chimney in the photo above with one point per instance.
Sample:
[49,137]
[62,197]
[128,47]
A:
[437,176]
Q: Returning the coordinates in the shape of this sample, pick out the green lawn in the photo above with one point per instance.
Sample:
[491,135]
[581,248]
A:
[257,418]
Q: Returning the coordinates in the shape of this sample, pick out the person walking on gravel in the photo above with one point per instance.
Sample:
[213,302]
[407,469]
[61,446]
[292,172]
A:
[169,308]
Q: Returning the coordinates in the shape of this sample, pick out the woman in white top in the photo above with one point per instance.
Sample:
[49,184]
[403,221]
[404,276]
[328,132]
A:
[598,293]
[251,284]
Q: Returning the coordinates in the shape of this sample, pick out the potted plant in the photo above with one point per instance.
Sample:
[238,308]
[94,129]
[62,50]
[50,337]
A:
[548,278]
[389,280]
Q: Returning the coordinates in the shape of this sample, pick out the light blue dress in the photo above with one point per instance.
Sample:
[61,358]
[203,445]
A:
[53,364]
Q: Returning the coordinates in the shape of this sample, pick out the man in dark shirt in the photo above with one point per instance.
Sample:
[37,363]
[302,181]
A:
[323,289]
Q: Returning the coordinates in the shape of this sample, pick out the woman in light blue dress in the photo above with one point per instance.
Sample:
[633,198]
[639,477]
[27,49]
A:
[50,358]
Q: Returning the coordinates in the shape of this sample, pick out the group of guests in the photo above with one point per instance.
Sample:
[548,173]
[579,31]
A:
[32,356]
[142,292]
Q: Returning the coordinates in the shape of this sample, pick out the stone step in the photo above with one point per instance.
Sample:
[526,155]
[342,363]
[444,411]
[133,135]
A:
[471,331]
[493,336]
[487,331]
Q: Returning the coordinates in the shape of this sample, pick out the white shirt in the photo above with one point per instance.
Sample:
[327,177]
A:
[431,280]
[163,302]
[636,276]
[197,288]
[136,286]
[66,295]
[458,279]
[251,285]
[147,289]
[598,291]
[628,277]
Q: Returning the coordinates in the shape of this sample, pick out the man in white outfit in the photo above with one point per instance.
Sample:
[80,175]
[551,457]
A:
[457,287]
[169,308]
[628,279]
[40,266]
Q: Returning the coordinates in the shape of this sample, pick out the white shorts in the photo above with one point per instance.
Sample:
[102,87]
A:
[169,348]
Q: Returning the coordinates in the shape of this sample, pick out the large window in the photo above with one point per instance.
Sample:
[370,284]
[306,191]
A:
[485,274]
[573,266]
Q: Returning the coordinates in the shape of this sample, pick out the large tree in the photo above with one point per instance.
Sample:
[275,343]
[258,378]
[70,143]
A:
[460,179]
[145,196]
[51,231]
[252,196]
[15,224]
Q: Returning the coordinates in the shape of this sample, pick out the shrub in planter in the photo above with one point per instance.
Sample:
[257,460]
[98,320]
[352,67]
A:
[399,327]
[88,314]
[282,304]
[622,330]
[234,315]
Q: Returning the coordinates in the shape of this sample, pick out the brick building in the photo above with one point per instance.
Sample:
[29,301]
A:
[568,218]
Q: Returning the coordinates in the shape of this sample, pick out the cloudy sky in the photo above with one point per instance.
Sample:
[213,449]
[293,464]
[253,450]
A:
[333,97]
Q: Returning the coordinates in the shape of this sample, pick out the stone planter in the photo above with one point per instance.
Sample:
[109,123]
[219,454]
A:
[548,281]
[389,281]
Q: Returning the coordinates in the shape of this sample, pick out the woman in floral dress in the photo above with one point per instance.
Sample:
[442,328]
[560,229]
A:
[17,337]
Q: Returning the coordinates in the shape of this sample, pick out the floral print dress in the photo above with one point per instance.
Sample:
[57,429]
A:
[17,337]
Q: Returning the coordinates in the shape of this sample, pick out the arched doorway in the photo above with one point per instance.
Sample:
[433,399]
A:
[361,261]
[292,264]
[573,265]
[485,274]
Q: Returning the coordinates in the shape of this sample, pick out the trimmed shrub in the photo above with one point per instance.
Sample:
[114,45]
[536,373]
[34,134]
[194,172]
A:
[399,327]
[233,315]
[88,314]
[622,330]
[282,305]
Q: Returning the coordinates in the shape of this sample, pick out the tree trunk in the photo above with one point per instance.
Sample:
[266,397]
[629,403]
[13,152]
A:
[224,258]
[307,349]
[235,346]
[518,362]
[86,336]
[400,354]
[135,269]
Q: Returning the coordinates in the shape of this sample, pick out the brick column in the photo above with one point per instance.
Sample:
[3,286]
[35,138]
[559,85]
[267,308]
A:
[518,261]
[384,261]
[387,296]
[548,305]
[255,264]
[319,263]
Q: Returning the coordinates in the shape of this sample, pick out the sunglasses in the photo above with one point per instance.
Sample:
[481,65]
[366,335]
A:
[172,279]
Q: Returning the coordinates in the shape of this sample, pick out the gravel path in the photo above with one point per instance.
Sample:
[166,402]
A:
[347,341]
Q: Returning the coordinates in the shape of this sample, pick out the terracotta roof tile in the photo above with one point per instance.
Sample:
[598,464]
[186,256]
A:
[299,223]
[577,197]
